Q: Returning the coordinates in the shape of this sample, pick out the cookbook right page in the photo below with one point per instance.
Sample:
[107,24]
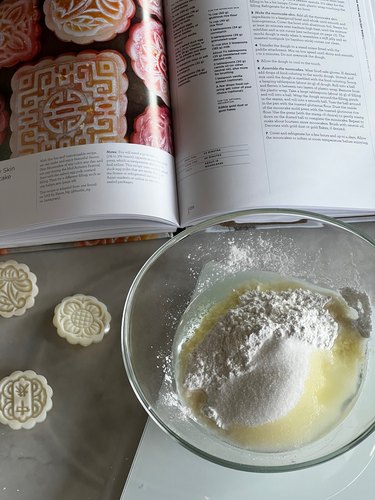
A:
[271,104]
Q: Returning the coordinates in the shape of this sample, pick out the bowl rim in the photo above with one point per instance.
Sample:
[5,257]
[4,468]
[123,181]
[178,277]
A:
[125,327]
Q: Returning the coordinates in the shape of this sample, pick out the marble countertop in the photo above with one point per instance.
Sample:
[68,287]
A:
[84,449]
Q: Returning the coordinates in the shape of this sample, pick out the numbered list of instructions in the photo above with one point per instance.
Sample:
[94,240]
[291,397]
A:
[308,71]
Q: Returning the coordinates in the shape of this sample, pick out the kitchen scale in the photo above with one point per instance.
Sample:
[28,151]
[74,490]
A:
[163,470]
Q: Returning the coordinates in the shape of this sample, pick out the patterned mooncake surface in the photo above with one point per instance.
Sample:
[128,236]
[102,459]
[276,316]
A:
[18,288]
[153,128]
[69,101]
[25,399]
[82,319]
[153,7]
[19,31]
[86,21]
[146,49]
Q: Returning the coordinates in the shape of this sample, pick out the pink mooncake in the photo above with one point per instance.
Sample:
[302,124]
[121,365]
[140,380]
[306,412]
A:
[86,21]
[153,7]
[4,120]
[146,50]
[19,31]
[68,101]
[153,128]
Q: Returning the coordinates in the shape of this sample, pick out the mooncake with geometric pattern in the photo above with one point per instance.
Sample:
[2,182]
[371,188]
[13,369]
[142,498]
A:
[86,21]
[69,101]
[19,31]
[25,399]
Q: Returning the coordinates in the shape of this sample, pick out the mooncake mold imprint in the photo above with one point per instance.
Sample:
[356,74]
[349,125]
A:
[82,319]
[87,21]
[19,31]
[25,399]
[153,128]
[18,288]
[146,49]
[73,100]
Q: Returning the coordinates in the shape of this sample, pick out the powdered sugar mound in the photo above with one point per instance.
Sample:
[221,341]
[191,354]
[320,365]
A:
[253,363]
[297,313]
[274,386]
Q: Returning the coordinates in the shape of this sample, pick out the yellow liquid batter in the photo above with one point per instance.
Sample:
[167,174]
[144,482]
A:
[330,389]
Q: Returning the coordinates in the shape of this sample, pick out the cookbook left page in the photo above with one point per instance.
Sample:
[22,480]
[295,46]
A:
[85,125]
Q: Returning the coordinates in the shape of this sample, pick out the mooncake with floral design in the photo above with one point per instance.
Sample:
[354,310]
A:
[146,49]
[153,128]
[153,7]
[82,319]
[4,120]
[18,288]
[86,21]
[69,101]
[19,31]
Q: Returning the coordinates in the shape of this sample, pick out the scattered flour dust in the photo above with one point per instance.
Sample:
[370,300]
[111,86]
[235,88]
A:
[259,351]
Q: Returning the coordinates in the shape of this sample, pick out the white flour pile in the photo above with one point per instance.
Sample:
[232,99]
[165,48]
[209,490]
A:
[253,363]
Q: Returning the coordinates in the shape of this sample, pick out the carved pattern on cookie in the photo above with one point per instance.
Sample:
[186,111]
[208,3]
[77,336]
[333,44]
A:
[82,319]
[19,31]
[25,399]
[17,288]
[146,49]
[86,21]
[153,128]
[153,7]
[69,101]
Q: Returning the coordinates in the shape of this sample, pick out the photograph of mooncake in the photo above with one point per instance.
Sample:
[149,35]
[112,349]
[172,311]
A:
[153,128]
[4,120]
[146,49]
[68,101]
[152,7]
[86,21]
[20,31]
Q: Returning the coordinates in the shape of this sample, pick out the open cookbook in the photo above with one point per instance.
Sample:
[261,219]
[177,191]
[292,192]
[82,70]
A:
[124,117]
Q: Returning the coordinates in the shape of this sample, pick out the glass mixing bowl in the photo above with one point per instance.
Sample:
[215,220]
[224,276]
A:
[293,244]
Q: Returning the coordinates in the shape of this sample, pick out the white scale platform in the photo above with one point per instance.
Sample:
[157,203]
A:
[164,470]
